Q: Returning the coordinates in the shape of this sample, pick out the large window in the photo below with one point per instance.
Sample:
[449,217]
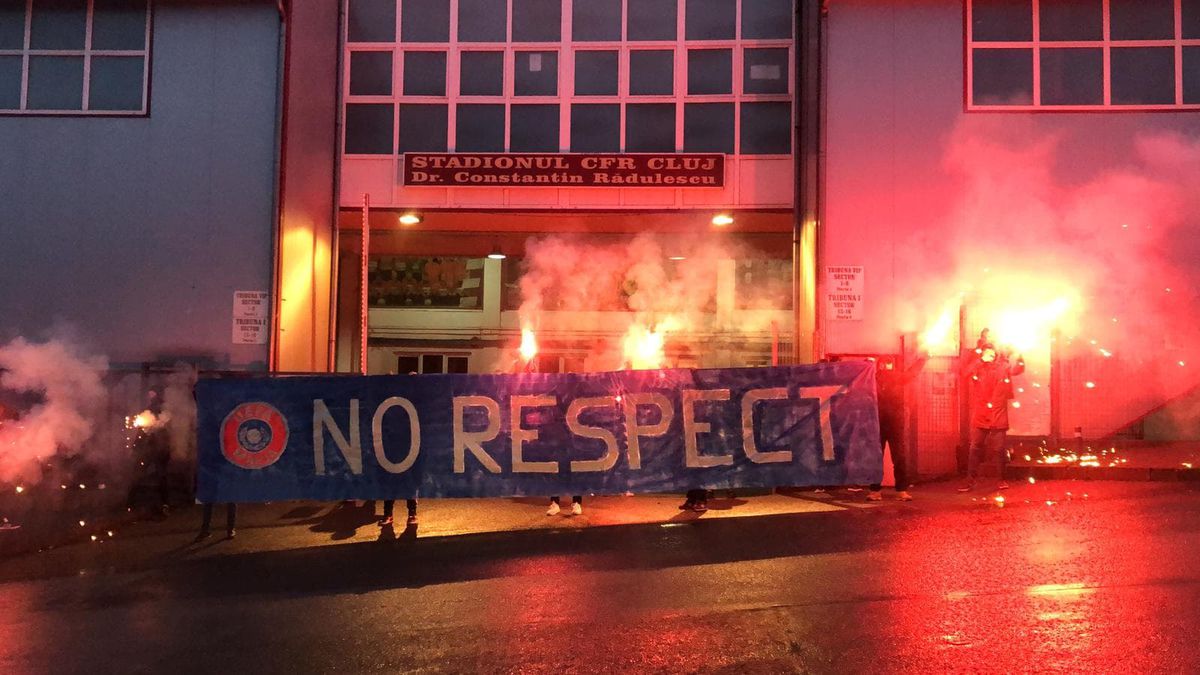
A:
[569,76]
[1083,54]
[400,281]
[74,56]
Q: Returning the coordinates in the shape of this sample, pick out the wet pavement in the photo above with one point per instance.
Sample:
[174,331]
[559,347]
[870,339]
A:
[1066,576]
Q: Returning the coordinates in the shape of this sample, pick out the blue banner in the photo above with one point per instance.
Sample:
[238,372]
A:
[400,436]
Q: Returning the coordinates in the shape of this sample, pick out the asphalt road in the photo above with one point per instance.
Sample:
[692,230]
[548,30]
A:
[1106,583]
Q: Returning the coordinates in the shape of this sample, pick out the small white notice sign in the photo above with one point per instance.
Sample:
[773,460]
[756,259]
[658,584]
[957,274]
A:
[844,292]
[251,317]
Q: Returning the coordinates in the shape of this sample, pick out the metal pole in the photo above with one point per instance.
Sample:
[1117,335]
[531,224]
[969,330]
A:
[364,307]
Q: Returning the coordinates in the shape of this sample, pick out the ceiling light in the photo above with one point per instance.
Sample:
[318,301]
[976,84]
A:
[722,219]
[409,218]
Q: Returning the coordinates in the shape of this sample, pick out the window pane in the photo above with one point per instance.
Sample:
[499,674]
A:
[652,73]
[456,364]
[481,73]
[1003,77]
[479,128]
[766,128]
[652,20]
[368,128]
[1072,20]
[1191,74]
[536,74]
[116,83]
[423,128]
[710,71]
[55,83]
[537,20]
[431,363]
[424,73]
[1072,76]
[58,24]
[371,21]
[595,73]
[407,364]
[596,20]
[1143,75]
[767,19]
[1191,19]
[119,24]
[1000,20]
[371,73]
[708,127]
[12,26]
[482,20]
[425,21]
[710,19]
[765,71]
[1142,19]
[596,128]
[534,128]
[10,82]
[650,127]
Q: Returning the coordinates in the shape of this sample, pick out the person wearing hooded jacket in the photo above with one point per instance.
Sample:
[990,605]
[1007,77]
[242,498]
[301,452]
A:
[989,374]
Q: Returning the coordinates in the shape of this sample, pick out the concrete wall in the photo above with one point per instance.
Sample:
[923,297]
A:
[137,231]
[895,96]
[307,214]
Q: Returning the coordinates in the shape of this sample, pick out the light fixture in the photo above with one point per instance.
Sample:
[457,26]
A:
[722,219]
[497,254]
[677,257]
[409,218]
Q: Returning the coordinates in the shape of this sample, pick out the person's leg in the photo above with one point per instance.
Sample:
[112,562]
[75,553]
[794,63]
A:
[206,521]
[389,508]
[230,519]
[576,505]
[554,507]
[999,443]
[411,505]
[975,451]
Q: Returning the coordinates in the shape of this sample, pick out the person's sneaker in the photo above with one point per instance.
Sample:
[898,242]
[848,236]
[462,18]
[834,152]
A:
[875,496]
[1001,485]
[202,535]
[384,522]
[854,488]
[231,533]
[904,496]
[576,509]
[687,506]
[699,507]
[967,487]
[412,520]
[554,509]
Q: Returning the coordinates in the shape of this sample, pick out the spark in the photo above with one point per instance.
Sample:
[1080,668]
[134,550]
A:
[1016,404]
[94,537]
[1032,480]
[1187,465]
[82,523]
[20,489]
[1105,352]
[1090,385]
[1182,363]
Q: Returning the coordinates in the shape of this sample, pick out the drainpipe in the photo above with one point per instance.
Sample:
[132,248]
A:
[335,238]
[806,235]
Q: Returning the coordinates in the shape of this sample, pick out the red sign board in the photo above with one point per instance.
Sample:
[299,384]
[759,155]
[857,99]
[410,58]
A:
[563,170]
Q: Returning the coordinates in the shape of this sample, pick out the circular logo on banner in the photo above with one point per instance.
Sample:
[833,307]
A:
[254,435]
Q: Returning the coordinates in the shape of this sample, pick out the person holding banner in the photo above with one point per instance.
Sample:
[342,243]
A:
[891,384]
[389,507]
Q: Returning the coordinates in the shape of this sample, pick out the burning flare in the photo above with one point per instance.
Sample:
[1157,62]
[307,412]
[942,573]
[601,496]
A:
[643,347]
[529,346]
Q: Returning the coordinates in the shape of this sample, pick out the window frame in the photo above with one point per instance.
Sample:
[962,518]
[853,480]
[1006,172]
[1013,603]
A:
[26,52]
[1106,44]
[566,97]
